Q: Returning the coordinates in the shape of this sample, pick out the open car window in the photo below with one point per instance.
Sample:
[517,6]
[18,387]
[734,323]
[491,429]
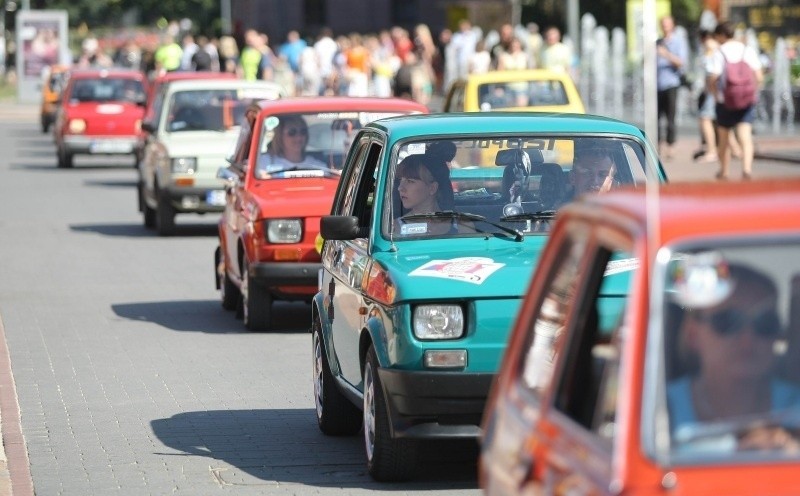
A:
[518,182]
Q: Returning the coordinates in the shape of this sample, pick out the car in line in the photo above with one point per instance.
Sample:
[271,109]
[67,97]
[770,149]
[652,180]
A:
[657,350]
[157,88]
[187,142]
[268,233]
[100,114]
[414,306]
[540,90]
[54,79]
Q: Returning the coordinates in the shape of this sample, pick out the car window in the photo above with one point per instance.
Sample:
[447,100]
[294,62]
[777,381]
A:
[108,90]
[517,182]
[344,205]
[522,94]
[206,110]
[731,351]
[548,324]
[327,139]
[587,386]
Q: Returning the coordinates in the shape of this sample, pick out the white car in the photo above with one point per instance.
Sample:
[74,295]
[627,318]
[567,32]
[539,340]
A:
[188,140]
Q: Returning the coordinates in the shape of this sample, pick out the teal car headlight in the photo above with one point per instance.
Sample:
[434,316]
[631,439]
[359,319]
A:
[284,230]
[184,165]
[438,321]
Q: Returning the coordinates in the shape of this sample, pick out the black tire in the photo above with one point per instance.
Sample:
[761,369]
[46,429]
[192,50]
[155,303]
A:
[64,159]
[165,215]
[256,303]
[229,293]
[388,459]
[148,214]
[336,415]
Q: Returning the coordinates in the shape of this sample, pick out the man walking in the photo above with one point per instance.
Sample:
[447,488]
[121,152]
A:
[671,59]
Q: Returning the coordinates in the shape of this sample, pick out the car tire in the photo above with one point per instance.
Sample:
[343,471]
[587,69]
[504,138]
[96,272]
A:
[388,459]
[336,415]
[165,215]
[64,159]
[148,213]
[229,293]
[256,303]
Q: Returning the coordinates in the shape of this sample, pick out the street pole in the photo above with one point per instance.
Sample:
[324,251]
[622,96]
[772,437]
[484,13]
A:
[573,23]
[225,14]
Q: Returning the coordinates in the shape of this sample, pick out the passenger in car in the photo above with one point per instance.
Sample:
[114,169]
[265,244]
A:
[732,346]
[287,150]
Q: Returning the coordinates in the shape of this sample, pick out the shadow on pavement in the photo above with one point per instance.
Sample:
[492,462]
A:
[139,231]
[274,447]
[208,316]
[127,183]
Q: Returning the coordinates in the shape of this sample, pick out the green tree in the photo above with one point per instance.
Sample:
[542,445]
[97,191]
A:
[113,13]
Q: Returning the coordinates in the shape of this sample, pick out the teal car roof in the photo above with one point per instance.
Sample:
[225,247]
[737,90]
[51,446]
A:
[501,122]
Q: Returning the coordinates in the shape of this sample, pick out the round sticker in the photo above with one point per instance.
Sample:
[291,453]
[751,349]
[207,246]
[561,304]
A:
[272,122]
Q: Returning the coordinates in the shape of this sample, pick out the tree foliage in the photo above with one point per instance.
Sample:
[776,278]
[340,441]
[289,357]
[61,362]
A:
[119,13]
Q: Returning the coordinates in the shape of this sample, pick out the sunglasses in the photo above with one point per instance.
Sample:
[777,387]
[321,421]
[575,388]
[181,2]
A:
[731,322]
[294,131]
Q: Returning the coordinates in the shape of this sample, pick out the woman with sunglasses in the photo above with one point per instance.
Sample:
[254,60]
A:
[732,346]
[287,150]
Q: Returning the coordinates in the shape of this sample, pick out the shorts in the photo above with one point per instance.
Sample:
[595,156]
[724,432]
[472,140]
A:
[707,107]
[729,118]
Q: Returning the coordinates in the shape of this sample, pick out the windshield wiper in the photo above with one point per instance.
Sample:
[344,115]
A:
[453,215]
[540,215]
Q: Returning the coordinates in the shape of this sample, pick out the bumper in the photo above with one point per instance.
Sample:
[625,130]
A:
[101,145]
[435,405]
[274,274]
[197,200]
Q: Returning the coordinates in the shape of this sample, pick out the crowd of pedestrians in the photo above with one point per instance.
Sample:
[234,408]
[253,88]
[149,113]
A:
[393,62]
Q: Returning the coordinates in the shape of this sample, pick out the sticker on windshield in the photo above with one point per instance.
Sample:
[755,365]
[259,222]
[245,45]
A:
[474,270]
[271,123]
[618,266]
[415,228]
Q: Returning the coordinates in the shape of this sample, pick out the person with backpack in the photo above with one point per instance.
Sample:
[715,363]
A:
[734,76]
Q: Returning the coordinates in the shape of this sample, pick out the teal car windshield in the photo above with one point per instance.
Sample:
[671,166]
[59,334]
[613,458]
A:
[501,185]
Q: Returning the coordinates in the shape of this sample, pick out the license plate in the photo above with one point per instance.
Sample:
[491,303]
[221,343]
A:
[110,147]
[216,198]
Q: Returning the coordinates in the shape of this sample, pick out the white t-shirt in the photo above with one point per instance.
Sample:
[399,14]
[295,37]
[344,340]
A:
[734,51]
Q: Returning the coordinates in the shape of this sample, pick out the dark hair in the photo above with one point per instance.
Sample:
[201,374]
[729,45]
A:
[726,29]
[434,162]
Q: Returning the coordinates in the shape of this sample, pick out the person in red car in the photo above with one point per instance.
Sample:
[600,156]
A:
[288,148]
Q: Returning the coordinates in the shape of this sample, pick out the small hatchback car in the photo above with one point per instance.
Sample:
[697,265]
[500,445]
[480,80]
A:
[427,254]
[657,350]
[188,141]
[539,90]
[282,178]
[101,114]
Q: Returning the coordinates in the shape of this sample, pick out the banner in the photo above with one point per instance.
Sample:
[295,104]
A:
[41,42]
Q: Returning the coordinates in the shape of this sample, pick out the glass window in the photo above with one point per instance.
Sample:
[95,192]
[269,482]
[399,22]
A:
[500,186]
[587,388]
[548,325]
[731,350]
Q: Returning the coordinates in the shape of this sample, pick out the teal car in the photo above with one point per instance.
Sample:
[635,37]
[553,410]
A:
[415,306]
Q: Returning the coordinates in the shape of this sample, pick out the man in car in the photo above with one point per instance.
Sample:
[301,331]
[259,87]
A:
[593,171]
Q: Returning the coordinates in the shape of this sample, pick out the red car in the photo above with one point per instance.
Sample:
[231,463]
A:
[270,226]
[656,354]
[101,114]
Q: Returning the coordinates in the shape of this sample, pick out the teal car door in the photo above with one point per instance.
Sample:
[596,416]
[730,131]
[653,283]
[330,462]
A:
[350,261]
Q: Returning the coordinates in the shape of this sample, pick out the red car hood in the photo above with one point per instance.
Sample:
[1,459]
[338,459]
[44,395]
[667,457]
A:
[107,118]
[301,197]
